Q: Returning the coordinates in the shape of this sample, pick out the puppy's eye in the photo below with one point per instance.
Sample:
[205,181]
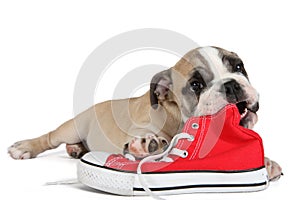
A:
[239,68]
[196,86]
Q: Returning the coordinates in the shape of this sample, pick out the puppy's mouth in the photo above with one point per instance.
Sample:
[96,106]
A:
[244,109]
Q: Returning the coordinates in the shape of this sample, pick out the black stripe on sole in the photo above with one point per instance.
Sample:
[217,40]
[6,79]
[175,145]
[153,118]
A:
[203,186]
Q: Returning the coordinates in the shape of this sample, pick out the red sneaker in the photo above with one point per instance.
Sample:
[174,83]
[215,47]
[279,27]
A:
[213,154]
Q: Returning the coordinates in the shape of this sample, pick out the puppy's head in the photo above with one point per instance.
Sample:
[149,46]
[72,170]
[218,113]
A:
[204,81]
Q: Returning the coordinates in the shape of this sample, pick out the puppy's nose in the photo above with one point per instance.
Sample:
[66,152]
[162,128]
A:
[233,90]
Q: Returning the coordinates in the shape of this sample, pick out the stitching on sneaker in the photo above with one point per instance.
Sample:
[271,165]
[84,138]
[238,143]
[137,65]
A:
[199,141]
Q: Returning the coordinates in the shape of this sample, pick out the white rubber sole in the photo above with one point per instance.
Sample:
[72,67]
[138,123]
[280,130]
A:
[125,183]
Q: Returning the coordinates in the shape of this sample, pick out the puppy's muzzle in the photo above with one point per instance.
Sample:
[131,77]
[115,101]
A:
[247,105]
[236,94]
[233,91]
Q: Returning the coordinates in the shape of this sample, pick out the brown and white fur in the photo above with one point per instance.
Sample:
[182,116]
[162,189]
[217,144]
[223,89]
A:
[200,83]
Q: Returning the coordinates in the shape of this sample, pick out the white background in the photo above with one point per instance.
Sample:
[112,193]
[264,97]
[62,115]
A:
[43,45]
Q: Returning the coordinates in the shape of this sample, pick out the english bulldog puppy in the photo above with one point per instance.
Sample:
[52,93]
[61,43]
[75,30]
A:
[201,83]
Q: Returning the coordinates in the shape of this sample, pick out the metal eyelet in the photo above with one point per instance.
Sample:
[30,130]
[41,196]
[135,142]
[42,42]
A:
[185,154]
[195,126]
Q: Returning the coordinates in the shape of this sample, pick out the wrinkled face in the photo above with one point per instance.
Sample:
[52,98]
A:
[218,77]
[204,81]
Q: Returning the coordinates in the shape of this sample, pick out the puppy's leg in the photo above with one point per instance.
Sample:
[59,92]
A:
[273,169]
[30,148]
[25,149]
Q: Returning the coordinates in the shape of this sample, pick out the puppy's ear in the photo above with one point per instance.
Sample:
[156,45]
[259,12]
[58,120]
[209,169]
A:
[159,87]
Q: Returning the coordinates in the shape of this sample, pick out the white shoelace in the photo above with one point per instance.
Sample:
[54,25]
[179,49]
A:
[163,156]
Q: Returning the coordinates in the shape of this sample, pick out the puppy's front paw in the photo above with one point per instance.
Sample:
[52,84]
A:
[273,169]
[141,147]
[21,150]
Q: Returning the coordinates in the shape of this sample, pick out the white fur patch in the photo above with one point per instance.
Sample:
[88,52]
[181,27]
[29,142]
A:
[216,65]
